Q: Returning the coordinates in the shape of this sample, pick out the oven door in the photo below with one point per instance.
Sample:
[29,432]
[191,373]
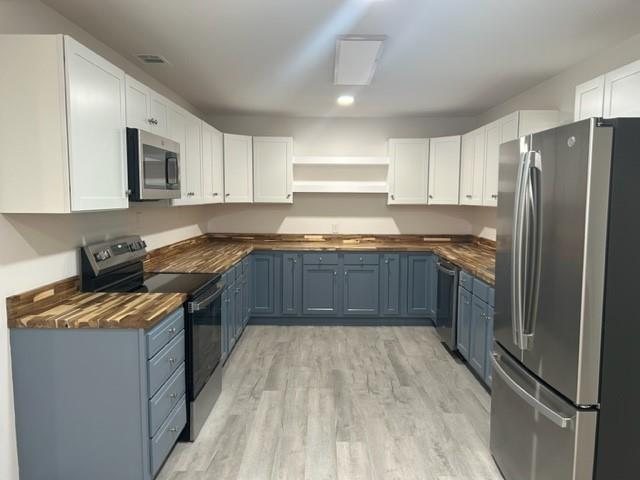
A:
[205,325]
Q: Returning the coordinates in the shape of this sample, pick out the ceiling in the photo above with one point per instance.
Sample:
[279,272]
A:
[442,57]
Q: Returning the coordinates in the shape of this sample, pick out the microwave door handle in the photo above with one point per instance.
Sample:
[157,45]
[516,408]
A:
[559,419]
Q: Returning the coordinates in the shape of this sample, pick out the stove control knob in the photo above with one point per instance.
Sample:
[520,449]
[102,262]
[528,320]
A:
[102,255]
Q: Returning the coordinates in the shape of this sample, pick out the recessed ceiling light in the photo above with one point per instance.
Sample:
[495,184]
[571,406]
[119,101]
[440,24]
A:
[345,100]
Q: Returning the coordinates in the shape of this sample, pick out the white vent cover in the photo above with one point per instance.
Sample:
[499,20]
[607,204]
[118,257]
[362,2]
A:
[357,58]
[152,59]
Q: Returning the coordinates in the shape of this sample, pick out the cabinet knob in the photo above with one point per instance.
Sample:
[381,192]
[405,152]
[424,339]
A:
[128,192]
[153,121]
[173,395]
[430,196]
[172,360]
[172,330]
[494,196]
[346,273]
[320,260]
[288,195]
[227,194]
[190,194]
[335,273]
[173,429]
[386,260]
[468,196]
[361,260]
[215,194]
[393,197]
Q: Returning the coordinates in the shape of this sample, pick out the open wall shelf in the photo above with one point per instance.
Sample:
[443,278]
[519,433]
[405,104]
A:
[319,160]
[306,186]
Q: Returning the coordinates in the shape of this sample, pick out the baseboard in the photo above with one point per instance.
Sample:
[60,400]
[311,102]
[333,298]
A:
[342,321]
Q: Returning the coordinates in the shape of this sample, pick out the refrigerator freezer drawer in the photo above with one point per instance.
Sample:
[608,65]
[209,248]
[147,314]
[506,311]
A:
[536,435]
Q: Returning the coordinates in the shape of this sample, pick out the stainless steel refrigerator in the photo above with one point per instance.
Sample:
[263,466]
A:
[566,357]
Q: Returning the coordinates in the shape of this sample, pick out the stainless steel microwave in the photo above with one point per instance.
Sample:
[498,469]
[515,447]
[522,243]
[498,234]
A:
[153,166]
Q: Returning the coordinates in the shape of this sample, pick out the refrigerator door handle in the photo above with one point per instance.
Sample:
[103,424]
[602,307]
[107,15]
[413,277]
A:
[533,249]
[557,418]
[516,250]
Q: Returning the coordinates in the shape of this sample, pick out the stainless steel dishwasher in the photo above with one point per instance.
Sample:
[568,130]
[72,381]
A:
[447,306]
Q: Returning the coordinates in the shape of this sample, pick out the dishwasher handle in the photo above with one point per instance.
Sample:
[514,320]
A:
[444,269]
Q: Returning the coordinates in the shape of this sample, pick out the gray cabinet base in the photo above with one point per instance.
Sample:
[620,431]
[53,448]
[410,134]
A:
[344,321]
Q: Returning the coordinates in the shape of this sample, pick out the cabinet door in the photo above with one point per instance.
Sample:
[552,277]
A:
[419,285]
[138,104]
[464,322]
[291,284]
[212,165]
[186,129]
[262,284]
[408,171]
[238,309]
[225,322]
[361,283]
[493,141]
[478,336]
[622,92]
[433,285]
[238,170]
[96,130]
[273,169]
[444,170]
[487,365]
[390,284]
[320,290]
[589,101]
[158,113]
[472,167]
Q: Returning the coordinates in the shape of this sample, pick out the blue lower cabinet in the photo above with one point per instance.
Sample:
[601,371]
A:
[245,299]
[489,342]
[464,322]
[238,310]
[291,284]
[419,285]
[320,290]
[390,284]
[262,285]
[361,284]
[478,336]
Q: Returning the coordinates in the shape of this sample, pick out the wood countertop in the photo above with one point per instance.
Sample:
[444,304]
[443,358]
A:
[216,253]
[62,305]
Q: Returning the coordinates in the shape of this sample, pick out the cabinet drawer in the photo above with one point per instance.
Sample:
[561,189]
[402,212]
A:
[165,363]
[163,441]
[325,258]
[361,259]
[466,280]
[167,397]
[164,332]
[481,290]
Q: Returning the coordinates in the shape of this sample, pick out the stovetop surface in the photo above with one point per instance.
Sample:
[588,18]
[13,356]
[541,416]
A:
[189,283]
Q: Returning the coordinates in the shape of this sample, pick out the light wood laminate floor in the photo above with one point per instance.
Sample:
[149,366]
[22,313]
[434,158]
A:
[345,403]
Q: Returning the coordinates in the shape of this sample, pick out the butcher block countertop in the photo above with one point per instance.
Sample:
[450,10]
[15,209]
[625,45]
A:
[62,305]
[215,253]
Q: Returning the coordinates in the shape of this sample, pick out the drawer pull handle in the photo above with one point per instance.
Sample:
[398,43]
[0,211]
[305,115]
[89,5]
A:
[172,330]
[173,429]
[173,396]
[172,360]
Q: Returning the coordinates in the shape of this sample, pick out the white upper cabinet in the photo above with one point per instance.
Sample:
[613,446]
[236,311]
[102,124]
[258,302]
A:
[212,165]
[472,167]
[61,152]
[273,169]
[408,171]
[238,168]
[146,109]
[186,129]
[622,92]
[444,170]
[506,129]
[589,100]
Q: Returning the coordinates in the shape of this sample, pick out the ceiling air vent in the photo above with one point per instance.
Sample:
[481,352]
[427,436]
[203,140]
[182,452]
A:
[357,58]
[152,59]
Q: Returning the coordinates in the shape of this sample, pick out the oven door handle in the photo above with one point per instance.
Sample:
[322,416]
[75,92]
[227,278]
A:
[196,306]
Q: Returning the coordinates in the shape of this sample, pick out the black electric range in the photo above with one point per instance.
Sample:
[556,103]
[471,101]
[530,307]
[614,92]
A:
[117,266]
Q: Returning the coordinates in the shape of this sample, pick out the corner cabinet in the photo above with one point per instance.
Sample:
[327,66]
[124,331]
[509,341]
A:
[408,171]
[589,101]
[273,169]
[622,92]
[72,153]
[444,170]
[238,168]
